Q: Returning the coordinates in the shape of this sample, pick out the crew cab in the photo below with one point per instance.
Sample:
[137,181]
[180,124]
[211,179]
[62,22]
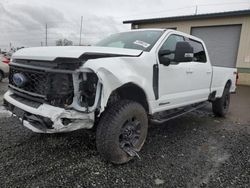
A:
[116,87]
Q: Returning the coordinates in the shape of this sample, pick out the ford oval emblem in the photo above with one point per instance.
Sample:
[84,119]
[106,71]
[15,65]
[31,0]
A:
[19,79]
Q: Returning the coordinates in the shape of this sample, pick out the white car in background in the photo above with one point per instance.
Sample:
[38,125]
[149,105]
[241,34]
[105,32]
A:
[4,67]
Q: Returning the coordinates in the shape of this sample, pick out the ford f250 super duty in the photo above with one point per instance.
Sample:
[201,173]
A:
[116,87]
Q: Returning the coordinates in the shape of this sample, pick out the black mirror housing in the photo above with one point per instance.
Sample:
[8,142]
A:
[184,52]
[165,52]
[162,57]
[164,60]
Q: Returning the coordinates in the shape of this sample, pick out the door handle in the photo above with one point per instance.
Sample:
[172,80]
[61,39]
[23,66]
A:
[189,72]
[209,72]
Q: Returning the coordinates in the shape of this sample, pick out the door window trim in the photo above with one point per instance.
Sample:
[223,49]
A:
[163,41]
[187,39]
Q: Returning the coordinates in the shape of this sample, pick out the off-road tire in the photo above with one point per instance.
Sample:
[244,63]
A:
[110,126]
[221,105]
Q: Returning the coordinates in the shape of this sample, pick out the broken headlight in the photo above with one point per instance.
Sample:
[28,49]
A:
[87,89]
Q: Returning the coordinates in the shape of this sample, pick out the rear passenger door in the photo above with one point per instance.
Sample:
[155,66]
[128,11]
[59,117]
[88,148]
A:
[200,73]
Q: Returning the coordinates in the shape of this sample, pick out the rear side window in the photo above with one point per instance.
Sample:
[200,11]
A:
[199,51]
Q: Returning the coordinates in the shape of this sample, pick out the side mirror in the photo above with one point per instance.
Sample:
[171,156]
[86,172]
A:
[184,52]
[165,52]
[162,57]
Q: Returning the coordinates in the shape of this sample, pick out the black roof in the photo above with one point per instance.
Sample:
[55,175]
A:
[191,17]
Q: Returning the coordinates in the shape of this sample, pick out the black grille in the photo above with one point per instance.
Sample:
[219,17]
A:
[52,87]
[37,80]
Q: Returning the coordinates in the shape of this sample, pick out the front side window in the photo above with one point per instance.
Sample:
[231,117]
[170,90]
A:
[171,42]
[139,40]
[199,52]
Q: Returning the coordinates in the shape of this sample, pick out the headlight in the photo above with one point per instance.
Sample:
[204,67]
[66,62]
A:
[88,89]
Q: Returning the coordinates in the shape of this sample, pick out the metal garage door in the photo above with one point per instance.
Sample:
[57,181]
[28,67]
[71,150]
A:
[222,43]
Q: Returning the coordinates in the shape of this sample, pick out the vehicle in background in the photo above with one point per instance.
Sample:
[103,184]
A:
[4,67]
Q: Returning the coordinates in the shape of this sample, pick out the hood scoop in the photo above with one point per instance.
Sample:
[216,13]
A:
[89,55]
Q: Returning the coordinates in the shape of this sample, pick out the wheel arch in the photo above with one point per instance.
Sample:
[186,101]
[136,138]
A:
[228,83]
[131,91]
[220,105]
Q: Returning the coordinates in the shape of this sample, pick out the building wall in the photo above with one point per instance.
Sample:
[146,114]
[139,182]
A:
[243,57]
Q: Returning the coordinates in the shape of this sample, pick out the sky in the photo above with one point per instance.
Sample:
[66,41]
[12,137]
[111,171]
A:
[23,22]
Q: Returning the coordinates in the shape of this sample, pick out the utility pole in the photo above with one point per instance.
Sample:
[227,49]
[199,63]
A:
[81,32]
[46,35]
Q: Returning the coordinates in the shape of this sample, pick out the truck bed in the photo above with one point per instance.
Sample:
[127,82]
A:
[220,77]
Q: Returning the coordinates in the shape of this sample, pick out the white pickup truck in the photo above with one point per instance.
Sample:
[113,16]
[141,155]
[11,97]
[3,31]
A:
[116,86]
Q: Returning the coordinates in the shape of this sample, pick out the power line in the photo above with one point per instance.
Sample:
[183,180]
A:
[71,28]
[229,3]
[193,6]
[162,11]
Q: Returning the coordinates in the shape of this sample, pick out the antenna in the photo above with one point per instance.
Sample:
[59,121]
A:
[196,9]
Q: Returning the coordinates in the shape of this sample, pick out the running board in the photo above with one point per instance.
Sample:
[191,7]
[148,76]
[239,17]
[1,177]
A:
[163,117]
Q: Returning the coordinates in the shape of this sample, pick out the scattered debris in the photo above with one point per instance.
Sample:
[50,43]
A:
[4,112]
[159,181]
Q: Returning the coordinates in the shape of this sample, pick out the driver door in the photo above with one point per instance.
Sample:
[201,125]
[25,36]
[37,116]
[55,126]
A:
[174,85]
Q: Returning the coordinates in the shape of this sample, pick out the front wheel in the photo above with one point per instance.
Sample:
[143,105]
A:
[122,131]
[221,105]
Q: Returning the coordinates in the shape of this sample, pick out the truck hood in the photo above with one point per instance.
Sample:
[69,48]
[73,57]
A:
[51,53]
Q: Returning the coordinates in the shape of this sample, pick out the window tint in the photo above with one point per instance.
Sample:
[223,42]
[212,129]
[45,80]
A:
[170,44]
[171,41]
[199,52]
[139,40]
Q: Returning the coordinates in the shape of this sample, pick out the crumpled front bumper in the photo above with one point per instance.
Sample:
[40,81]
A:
[55,115]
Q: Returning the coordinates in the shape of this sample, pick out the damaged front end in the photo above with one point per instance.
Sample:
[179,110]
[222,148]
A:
[50,97]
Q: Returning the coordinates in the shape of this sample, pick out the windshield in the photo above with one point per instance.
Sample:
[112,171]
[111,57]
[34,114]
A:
[139,40]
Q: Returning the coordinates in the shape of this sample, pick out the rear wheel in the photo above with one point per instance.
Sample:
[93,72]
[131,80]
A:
[221,105]
[122,131]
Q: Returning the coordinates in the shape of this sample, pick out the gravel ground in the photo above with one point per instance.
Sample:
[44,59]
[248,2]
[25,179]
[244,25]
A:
[195,150]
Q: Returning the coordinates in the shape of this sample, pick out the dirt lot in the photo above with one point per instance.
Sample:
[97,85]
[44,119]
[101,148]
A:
[196,150]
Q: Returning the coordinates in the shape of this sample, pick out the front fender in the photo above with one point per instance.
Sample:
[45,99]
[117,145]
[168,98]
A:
[115,72]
